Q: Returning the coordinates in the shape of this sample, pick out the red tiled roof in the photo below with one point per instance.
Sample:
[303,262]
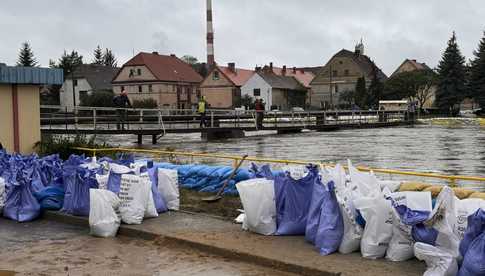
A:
[304,77]
[239,78]
[165,68]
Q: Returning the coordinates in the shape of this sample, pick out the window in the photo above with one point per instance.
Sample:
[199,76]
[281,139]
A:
[75,82]
[257,92]
[336,88]
[138,71]
[341,62]
[215,75]
[346,72]
[334,73]
[150,88]
[132,72]
[140,88]
[122,88]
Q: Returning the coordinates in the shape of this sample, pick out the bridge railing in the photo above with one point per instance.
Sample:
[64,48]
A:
[55,117]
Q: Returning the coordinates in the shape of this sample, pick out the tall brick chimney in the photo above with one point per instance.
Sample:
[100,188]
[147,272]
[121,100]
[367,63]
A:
[271,67]
[283,72]
[210,36]
[232,66]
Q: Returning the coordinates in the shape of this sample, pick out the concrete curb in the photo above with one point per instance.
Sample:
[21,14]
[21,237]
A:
[125,230]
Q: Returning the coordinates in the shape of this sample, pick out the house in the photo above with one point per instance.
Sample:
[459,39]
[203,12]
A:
[20,105]
[340,74]
[222,86]
[164,78]
[87,78]
[426,97]
[279,88]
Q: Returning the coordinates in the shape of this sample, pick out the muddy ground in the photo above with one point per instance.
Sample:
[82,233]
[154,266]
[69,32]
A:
[50,248]
[227,207]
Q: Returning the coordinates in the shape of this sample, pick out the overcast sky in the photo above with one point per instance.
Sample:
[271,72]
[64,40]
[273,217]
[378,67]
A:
[248,32]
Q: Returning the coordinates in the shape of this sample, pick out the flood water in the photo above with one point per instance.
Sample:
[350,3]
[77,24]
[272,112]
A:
[458,150]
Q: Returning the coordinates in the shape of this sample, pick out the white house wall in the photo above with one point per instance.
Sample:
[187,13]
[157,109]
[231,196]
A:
[66,91]
[255,82]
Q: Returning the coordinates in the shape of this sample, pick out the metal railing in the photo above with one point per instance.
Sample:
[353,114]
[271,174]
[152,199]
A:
[452,179]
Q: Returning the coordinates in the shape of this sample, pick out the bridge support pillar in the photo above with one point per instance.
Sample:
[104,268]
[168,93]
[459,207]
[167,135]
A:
[217,134]
[289,131]
[154,139]
[140,139]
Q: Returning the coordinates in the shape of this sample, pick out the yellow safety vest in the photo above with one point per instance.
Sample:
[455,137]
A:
[201,107]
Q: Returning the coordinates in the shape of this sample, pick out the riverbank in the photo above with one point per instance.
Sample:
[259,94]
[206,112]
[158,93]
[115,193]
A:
[226,239]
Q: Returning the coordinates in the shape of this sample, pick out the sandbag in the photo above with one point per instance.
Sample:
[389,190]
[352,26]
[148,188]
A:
[2,194]
[160,204]
[77,182]
[169,188]
[463,209]
[104,217]
[331,226]
[114,179]
[439,262]
[392,185]
[413,207]
[257,197]
[150,209]
[477,195]
[133,196]
[296,172]
[473,261]
[314,212]
[102,180]
[20,203]
[462,193]
[50,198]
[352,230]
[476,226]
[410,186]
[294,202]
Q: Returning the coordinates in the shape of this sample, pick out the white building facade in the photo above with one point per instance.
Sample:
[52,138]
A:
[257,88]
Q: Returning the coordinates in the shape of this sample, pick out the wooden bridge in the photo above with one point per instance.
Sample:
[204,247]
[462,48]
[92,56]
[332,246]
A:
[220,123]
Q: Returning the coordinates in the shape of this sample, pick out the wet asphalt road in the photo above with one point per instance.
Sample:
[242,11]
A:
[50,248]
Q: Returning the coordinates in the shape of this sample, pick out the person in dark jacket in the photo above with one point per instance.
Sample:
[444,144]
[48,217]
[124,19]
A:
[121,101]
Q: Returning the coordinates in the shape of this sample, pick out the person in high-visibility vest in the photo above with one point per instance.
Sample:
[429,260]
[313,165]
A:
[201,108]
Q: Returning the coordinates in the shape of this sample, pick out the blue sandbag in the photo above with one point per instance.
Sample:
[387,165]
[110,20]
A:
[294,202]
[476,226]
[20,204]
[331,226]
[421,233]
[50,198]
[78,181]
[157,197]
[314,211]
[474,259]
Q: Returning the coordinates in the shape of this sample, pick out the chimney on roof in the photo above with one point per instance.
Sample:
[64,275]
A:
[283,72]
[271,66]
[155,53]
[173,55]
[232,67]
[257,68]
[294,70]
[210,36]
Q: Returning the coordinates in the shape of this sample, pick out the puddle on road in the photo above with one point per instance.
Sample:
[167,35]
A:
[86,255]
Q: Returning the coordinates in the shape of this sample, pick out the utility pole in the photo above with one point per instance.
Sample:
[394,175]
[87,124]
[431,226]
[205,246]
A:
[73,89]
[331,90]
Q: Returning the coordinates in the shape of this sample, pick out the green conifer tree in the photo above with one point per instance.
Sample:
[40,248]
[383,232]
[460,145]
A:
[98,56]
[26,56]
[477,74]
[451,79]
[361,93]
[109,58]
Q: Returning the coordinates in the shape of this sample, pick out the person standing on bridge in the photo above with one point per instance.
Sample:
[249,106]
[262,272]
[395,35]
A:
[121,102]
[259,106]
[201,109]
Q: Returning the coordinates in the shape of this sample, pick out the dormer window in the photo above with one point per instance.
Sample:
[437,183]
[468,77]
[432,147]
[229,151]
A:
[138,71]
[215,75]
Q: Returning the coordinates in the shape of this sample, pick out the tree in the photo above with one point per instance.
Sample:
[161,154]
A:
[189,59]
[98,56]
[477,74]
[361,96]
[247,101]
[199,67]
[375,91]
[451,82]
[347,98]
[68,62]
[26,56]
[109,58]
[415,85]
[102,98]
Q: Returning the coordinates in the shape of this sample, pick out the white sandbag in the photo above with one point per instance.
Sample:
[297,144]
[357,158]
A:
[168,186]
[3,194]
[133,198]
[392,185]
[363,183]
[439,262]
[151,210]
[377,214]
[463,209]
[296,172]
[401,246]
[352,230]
[258,199]
[104,217]
[119,169]
[102,180]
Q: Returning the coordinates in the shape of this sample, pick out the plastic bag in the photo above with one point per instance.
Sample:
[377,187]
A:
[104,217]
[331,226]
[476,226]
[77,181]
[257,197]
[150,209]
[133,197]
[160,204]
[169,188]
[293,203]
[352,230]
[2,194]
[378,228]
[102,180]
[401,246]
[114,179]
[315,211]
[50,198]
[20,204]
[463,209]
[439,262]
[473,261]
